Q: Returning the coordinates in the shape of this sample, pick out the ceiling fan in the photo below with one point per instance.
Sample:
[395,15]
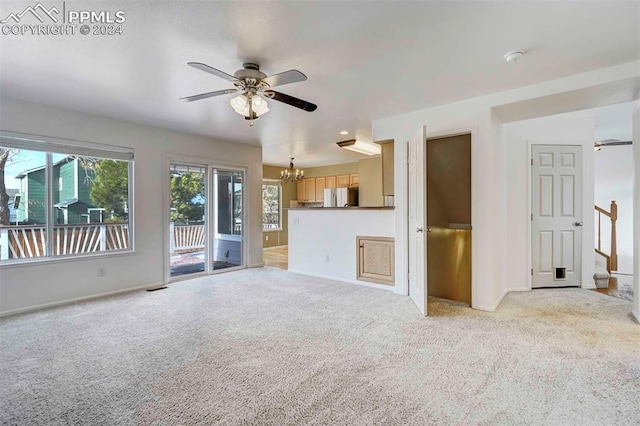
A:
[251,83]
[609,142]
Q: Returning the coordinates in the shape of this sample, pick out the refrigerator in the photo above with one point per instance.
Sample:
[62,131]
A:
[346,197]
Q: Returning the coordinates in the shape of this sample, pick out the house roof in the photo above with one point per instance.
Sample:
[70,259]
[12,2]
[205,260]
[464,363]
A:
[66,203]
[364,61]
[24,173]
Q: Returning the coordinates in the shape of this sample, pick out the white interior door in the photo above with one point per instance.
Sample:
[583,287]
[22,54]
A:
[556,228]
[417,156]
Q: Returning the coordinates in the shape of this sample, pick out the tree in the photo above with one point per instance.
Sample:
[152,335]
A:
[7,156]
[187,197]
[110,189]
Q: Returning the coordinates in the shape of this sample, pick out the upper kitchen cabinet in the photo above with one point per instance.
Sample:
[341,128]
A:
[387,167]
[321,184]
[343,181]
[353,179]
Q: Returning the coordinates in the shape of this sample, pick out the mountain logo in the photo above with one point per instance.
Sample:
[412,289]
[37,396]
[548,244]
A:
[39,11]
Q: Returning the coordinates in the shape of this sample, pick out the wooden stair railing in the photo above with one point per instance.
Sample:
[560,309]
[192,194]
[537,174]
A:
[612,258]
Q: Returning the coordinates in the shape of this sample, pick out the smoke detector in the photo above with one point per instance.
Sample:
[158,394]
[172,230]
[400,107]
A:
[513,56]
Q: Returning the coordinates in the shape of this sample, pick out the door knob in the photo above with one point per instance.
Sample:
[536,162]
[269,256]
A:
[578,223]
[419,230]
[429,229]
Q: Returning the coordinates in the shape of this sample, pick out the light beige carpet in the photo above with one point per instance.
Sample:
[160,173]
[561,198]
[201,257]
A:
[265,346]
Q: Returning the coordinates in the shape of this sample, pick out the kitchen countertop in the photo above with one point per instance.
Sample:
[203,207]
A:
[341,208]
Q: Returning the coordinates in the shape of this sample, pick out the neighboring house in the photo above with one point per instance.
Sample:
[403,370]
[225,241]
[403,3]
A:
[71,195]
[13,214]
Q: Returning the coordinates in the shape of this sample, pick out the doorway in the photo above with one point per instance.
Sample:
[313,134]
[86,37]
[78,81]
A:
[448,180]
[206,227]
[228,214]
[556,217]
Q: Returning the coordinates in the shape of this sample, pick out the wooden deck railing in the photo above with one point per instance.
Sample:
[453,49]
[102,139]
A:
[612,256]
[186,238]
[27,241]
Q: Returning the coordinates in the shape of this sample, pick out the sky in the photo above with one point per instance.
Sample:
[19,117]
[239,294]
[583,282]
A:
[25,160]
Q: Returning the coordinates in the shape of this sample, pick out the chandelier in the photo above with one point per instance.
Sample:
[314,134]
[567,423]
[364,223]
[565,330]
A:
[290,175]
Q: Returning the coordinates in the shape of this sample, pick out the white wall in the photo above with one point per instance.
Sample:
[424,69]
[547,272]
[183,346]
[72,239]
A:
[614,181]
[636,205]
[491,251]
[573,128]
[46,282]
[316,233]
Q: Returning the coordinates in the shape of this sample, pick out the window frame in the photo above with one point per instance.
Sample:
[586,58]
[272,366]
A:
[278,183]
[51,146]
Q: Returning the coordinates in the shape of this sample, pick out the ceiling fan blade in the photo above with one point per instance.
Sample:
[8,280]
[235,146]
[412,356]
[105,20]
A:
[208,95]
[211,70]
[291,76]
[298,103]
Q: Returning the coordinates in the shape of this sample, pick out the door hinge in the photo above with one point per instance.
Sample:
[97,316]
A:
[531,271]
[531,216]
[532,161]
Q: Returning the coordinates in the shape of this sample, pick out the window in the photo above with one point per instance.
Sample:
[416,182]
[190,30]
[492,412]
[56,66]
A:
[73,199]
[229,201]
[271,205]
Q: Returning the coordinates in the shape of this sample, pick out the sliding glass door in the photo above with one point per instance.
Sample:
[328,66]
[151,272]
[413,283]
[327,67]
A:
[206,219]
[228,192]
[187,227]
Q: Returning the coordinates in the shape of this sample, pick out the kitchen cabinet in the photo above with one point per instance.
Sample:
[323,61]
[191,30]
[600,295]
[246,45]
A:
[376,258]
[353,179]
[307,190]
[343,181]
[387,168]
[321,184]
[310,190]
[331,182]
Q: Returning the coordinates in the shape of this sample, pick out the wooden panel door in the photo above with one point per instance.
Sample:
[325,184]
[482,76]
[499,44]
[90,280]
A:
[343,181]
[387,168]
[417,178]
[331,182]
[556,221]
[301,191]
[376,259]
[310,189]
[321,184]
[353,179]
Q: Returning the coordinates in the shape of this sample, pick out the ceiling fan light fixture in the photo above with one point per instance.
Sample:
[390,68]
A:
[259,105]
[240,105]
[361,147]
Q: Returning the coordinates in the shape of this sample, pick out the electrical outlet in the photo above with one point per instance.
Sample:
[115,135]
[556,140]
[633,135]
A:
[266,238]
[102,271]
[296,220]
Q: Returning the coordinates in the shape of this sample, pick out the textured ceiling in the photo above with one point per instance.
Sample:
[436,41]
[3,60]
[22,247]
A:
[364,61]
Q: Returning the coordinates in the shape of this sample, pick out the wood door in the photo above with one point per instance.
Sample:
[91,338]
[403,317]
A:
[417,219]
[331,182]
[343,181]
[376,259]
[556,220]
[353,179]
[310,189]
[301,191]
[321,184]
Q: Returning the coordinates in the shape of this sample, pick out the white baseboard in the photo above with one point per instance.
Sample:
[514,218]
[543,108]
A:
[78,299]
[493,307]
[256,265]
[360,283]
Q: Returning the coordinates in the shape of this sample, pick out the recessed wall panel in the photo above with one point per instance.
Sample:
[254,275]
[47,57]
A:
[567,195]
[545,159]
[546,251]
[546,196]
[567,250]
